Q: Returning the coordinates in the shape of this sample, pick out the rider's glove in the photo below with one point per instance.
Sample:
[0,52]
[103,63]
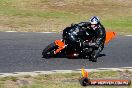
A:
[93,44]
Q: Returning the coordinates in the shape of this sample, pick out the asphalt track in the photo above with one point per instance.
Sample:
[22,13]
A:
[21,52]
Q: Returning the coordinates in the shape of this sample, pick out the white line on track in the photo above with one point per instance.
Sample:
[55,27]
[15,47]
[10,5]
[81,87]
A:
[128,35]
[45,32]
[33,32]
[34,73]
[10,31]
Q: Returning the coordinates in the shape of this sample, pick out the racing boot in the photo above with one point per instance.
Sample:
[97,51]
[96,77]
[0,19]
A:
[93,59]
[95,55]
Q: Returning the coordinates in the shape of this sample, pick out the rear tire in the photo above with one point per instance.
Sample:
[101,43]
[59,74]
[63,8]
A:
[49,50]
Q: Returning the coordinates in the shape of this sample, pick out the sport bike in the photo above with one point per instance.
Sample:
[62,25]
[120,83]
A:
[82,48]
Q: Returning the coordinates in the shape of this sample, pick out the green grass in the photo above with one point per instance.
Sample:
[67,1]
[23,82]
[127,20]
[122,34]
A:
[104,74]
[50,15]
[28,13]
[9,78]
[59,80]
[122,25]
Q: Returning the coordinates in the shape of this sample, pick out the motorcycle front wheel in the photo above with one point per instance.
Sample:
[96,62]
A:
[49,50]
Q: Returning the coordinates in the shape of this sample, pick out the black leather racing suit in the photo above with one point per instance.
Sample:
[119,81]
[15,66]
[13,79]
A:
[99,35]
[83,30]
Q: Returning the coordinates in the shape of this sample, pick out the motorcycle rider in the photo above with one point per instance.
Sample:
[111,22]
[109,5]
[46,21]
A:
[96,30]
[93,28]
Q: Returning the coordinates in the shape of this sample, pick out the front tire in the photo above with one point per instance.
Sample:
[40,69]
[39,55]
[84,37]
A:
[49,50]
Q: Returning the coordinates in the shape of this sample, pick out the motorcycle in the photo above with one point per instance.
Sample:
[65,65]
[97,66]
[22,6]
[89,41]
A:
[81,48]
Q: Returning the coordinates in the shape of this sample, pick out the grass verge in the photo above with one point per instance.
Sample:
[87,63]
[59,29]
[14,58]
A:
[59,80]
[50,15]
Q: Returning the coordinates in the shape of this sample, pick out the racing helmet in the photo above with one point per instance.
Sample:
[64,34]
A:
[94,21]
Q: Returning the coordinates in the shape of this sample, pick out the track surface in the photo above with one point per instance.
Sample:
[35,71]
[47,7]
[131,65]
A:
[21,52]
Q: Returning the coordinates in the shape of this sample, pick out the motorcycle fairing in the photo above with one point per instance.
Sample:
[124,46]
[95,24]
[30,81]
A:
[60,45]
